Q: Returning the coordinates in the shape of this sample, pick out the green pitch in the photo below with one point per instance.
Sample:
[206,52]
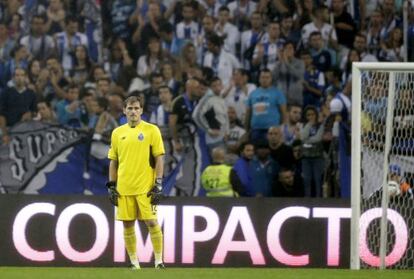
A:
[195,273]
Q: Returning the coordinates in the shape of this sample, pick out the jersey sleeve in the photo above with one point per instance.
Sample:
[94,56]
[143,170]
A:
[113,150]
[157,143]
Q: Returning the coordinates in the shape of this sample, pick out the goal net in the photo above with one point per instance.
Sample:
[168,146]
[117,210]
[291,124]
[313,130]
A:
[382,225]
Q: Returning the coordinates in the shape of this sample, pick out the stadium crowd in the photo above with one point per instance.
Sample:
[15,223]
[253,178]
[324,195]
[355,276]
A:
[267,82]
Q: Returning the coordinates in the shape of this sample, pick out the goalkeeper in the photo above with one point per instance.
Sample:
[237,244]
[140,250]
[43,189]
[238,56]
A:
[135,178]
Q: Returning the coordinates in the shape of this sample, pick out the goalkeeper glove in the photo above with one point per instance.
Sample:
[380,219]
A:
[113,193]
[156,192]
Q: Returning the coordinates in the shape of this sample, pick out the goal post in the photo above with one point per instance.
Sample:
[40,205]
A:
[378,105]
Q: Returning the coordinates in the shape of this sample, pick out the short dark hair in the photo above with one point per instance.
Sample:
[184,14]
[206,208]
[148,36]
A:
[132,99]
[71,18]
[215,39]
[154,76]
[163,87]
[243,145]
[224,8]
[315,33]
[39,16]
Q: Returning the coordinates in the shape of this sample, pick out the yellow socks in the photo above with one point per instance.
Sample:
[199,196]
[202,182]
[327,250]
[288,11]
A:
[131,245]
[157,242]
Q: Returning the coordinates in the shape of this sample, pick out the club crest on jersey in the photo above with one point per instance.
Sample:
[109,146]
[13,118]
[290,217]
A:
[141,137]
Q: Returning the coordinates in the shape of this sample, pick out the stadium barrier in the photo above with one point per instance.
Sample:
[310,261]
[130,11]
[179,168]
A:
[78,230]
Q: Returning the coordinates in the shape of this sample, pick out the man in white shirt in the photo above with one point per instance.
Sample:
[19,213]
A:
[37,42]
[241,11]
[319,24]
[208,24]
[211,7]
[188,29]
[266,52]
[68,40]
[250,38]
[227,30]
[236,95]
[221,62]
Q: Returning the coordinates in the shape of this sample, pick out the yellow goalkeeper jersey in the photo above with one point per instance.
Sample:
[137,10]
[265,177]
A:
[135,149]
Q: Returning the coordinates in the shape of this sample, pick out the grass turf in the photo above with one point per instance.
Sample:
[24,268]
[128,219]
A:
[183,273]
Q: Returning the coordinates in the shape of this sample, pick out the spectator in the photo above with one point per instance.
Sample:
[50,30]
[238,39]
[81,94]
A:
[287,30]
[305,10]
[345,26]
[221,62]
[207,30]
[211,116]
[20,59]
[151,61]
[15,27]
[287,184]
[376,32]
[40,45]
[123,18]
[45,112]
[105,122]
[340,107]
[291,129]
[312,152]
[169,42]
[263,169]
[160,115]
[288,75]
[188,29]
[17,103]
[236,131]
[33,74]
[280,152]
[321,55]
[68,110]
[238,92]
[313,83]
[118,60]
[81,66]
[266,107]
[67,41]
[241,11]
[150,28]
[393,48]
[6,43]
[360,45]
[227,30]
[241,175]
[55,17]
[328,33]
[275,9]
[266,53]
[115,106]
[188,60]
[180,119]
[390,16]
[210,7]
[151,93]
[216,177]
[169,75]
[250,38]
[103,86]
[333,81]
[353,56]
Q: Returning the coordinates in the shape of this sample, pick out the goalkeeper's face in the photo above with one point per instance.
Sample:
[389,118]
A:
[133,112]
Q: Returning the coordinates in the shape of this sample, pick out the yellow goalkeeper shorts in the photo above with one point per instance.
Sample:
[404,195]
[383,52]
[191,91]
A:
[135,207]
